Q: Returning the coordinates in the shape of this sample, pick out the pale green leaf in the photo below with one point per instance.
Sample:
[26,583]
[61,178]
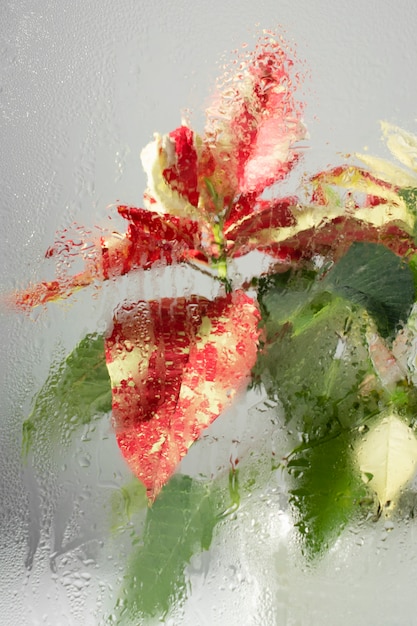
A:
[388,453]
[402,144]
[388,172]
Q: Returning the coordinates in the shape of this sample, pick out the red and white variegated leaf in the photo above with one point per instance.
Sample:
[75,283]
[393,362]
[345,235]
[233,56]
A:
[170,164]
[175,365]
[289,231]
[150,240]
[255,121]
[249,230]
[356,179]
[181,172]
[333,237]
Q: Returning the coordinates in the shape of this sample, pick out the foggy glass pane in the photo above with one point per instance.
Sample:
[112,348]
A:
[83,88]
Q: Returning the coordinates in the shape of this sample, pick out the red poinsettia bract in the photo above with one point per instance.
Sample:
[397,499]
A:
[175,365]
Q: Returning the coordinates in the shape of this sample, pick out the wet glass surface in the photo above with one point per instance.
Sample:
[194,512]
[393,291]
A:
[83,89]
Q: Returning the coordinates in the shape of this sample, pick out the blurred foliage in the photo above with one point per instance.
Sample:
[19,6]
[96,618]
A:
[377,279]
[316,362]
[126,502]
[327,491]
[76,392]
[179,524]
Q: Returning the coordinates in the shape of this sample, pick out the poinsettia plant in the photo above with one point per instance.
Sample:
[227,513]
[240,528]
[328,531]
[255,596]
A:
[328,330]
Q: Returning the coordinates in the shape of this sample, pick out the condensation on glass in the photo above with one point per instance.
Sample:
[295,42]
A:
[82,90]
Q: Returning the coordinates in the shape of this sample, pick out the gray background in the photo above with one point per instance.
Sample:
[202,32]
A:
[83,85]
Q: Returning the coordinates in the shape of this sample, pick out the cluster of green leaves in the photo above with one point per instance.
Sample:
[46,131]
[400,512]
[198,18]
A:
[316,361]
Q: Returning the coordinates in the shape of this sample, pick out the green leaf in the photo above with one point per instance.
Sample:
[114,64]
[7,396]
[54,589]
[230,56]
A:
[179,524]
[76,391]
[377,279]
[316,364]
[281,296]
[126,502]
[412,264]
[409,195]
[327,492]
[213,193]
[387,455]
